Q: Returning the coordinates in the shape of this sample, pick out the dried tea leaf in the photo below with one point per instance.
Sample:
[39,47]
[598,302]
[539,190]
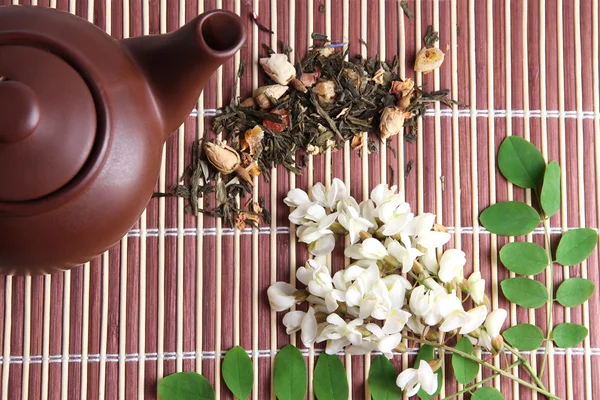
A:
[431,36]
[406,9]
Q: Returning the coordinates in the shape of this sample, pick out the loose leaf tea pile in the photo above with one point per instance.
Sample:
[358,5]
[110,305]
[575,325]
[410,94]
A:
[319,104]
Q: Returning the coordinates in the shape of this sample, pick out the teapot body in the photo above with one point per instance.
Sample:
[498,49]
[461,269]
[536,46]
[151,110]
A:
[80,147]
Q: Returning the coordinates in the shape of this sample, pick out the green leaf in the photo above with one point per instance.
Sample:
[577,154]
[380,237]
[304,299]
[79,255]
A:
[185,386]
[330,379]
[524,258]
[524,337]
[510,218]
[382,380]
[576,245]
[524,292]
[574,292]
[238,372]
[550,196]
[289,374]
[465,370]
[426,353]
[568,335]
[521,162]
[487,393]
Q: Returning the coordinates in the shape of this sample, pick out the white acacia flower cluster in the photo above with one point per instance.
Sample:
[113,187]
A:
[371,305]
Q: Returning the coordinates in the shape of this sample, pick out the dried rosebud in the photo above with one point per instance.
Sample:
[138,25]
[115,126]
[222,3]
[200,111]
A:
[248,103]
[358,80]
[275,126]
[402,88]
[404,102]
[309,79]
[325,51]
[325,91]
[298,85]
[378,77]
[264,94]
[429,59]
[278,68]
[357,142]
[312,150]
[392,122]
[225,159]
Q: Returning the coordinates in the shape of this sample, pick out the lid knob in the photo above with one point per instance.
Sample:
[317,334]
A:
[19,111]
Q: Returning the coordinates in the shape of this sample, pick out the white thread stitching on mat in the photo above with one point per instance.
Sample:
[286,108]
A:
[284,230]
[210,355]
[211,112]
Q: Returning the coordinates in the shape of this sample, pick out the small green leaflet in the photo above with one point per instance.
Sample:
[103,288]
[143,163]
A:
[524,258]
[289,374]
[521,162]
[575,246]
[510,218]
[574,292]
[550,196]
[524,337]
[238,372]
[426,353]
[568,335]
[524,292]
[382,380]
[465,370]
[185,386]
[330,379]
[487,393]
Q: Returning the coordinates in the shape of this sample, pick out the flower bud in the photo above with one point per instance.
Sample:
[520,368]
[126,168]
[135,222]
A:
[337,228]
[325,91]
[248,103]
[378,76]
[222,157]
[392,122]
[264,94]
[476,333]
[428,59]
[435,364]
[301,295]
[364,235]
[401,348]
[404,102]
[391,262]
[497,344]
[278,68]
[439,228]
[320,317]
[432,334]
[402,88]
[298,85]
[464,286]
[417,267]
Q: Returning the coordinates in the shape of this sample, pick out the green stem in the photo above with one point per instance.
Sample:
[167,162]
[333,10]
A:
[421,281]
[526,365]
[485,364]
[481,382]
[550,298]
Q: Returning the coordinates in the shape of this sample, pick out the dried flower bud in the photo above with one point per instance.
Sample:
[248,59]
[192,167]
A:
[321,317]
[278,68]
[312,150]
[222,157]
[357,142]
[429,59]
[378,77]
[325,91]
[248,103]
[245,217]
[432,334]
[309,79]
[298,85]
[325,51]
[402,88]
[358,80]
[392,122]
[404,102]
[263,95]
[439,228]
[254,170]
[301,295]
[435,364]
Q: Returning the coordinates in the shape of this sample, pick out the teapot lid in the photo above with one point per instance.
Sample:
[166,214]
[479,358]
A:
[47,123]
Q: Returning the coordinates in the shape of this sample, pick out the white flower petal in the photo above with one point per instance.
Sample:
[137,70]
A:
[292,321]
[373,249]
[427,378]
[389,343]
[397,223]
[296,198]
[451,265]
[318,194]
[408,381]
[323,246]
[335,346]
[281,296]
[395,321]
[309,328]
[494,322]
[420,225]
[433,239]
[476,316]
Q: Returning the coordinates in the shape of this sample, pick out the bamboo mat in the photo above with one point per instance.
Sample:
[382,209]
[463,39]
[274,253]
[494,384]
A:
[180,290]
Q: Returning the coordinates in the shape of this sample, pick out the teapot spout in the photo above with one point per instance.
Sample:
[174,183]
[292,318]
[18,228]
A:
[178,65]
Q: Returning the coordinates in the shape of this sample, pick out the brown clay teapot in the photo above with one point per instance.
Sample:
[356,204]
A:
[83,119]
